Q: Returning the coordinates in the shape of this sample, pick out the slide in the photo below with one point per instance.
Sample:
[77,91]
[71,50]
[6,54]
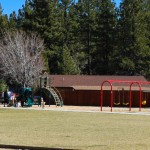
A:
[30,101]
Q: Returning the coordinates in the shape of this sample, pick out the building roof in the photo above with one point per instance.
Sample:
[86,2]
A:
[91,82]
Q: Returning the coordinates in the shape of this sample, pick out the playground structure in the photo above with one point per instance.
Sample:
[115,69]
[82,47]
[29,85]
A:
[26,97]
[142,98]
[45,85]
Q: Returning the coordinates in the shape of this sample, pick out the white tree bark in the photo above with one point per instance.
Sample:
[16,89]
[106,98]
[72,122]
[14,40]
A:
[20,57]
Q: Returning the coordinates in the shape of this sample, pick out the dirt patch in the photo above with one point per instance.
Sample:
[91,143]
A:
[94,108]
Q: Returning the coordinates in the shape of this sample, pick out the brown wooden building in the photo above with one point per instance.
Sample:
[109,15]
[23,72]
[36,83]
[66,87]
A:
[84,90]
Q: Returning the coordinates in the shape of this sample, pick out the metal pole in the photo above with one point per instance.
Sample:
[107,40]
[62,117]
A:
[49,99]
[101,98]
[140,97]
[111,98]
[40,91]
[130,97]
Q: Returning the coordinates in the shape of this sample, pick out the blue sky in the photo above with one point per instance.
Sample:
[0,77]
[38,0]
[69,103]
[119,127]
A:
[14,5]
[9,6]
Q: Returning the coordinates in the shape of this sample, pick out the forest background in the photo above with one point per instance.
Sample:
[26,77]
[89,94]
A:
[90,37]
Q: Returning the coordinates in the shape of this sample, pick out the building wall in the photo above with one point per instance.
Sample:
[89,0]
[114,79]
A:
[80,97]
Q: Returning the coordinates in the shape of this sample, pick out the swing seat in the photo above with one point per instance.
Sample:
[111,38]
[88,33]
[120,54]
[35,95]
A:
[125,103]
[117,103]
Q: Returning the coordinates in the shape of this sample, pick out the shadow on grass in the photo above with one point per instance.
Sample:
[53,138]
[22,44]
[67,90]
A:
[19,147]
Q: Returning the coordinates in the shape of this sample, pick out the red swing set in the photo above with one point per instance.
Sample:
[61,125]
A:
[131,83]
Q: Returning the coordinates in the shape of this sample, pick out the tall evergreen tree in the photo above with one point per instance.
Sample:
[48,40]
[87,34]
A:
[84,35]
[87,20]
[3,22]
[70,32]
[134,37]
[105,38]
[13,20]
[56,23]
[68,63]
[142,36]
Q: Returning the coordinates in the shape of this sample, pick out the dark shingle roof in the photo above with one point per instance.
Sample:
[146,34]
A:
[88,80]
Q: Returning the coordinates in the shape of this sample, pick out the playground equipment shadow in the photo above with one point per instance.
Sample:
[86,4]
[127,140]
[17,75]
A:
[15,147]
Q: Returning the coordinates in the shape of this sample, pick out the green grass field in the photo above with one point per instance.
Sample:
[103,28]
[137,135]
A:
[74,130]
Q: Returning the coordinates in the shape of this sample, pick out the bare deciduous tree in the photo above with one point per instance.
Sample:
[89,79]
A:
[20,57]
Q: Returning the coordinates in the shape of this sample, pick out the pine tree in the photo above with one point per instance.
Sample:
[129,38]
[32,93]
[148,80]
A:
[142,35]
[42,17]
[3,22]
[86,18]
[13,20]
[134,38]
[56,23]
[68,63]
[86,33]
[104,38]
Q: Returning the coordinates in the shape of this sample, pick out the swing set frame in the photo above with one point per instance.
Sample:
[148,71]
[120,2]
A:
[131,83]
